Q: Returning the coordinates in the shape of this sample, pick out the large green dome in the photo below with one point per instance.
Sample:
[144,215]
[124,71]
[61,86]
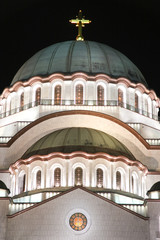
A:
[78,139]
[79,56]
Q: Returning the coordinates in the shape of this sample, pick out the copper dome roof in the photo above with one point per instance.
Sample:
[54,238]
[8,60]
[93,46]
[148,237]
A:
[79,56]
[78,139]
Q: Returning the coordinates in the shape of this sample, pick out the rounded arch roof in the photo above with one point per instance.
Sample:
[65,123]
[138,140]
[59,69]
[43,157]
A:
[87,140]
[3,186]
[155,187]
[79,56]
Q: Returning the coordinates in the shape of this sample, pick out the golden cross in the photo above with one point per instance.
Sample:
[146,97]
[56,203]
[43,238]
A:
[80,22]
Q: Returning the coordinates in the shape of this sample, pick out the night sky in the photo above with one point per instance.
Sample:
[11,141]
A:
[130,26]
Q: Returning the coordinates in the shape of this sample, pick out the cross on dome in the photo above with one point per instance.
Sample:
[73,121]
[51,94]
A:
[80,22]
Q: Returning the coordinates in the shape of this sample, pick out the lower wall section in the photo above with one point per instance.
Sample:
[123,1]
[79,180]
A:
[96,219]
[4,202]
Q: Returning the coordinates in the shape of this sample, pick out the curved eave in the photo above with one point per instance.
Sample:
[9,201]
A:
[85,155]
[83,112]
[86,149]
[86,77]
[83,72]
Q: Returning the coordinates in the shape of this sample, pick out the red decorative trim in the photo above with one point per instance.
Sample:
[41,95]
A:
[78,154]
[70,190]
[86,77]
[152,200]
[5,198]
[82,112]
[4,171]
[153,173]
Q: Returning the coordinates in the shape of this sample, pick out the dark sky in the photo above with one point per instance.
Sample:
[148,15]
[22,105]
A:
[130,26]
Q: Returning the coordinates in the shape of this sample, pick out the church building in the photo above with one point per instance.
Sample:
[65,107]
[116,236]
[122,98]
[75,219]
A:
[79,147]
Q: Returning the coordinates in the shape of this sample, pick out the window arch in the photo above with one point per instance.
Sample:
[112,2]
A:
[150,109]
[3,105]
[120,97]
[146,107]
[155,113]
[100,95]
[21,101]
[118,180]
[134,183]
[38,96]
[57,177]
[8,106]
[38,179]
[57,95]
[79,94]
[99,176]
[78,176]
[136,103]
[22,183]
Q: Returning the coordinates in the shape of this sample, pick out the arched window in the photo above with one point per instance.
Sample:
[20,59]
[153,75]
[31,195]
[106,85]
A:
[79,94]
[120,97]
[136,102]
[57,95]
[134,184]
[22,183]
[57,177]
[21,101]
[38,180]
[38,96]
[100,95]
[8,106]
[118,180]
[78,176]
[4,106]
[99,177]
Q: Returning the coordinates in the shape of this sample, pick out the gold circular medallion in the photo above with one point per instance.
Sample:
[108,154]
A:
[78,221]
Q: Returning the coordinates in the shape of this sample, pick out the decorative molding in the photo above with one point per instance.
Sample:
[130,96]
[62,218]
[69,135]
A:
[82,112]
[88,156]
[153,173]
[86,77]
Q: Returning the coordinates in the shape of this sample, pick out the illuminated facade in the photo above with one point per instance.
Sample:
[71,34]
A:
[80,147]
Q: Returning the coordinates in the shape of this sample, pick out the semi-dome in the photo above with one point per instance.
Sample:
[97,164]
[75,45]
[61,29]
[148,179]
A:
[79,56]
[78,139]
[155,187]
[154,192]
[4,187]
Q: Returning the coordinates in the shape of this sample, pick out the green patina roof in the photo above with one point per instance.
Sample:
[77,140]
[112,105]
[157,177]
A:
[3,186]
[79,56]
[155,187]
[78,139]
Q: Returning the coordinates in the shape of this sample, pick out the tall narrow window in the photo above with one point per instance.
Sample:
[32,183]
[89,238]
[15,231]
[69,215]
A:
[4,106]
[57,177]
[38,180]
[134,184]
[147,108]
[22,101]
[79,94]
[100,95]
[38,96]
[99,177]
[120,97]
[57,95]
[118,180]
[78,176]
[136,102]
[22,183]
